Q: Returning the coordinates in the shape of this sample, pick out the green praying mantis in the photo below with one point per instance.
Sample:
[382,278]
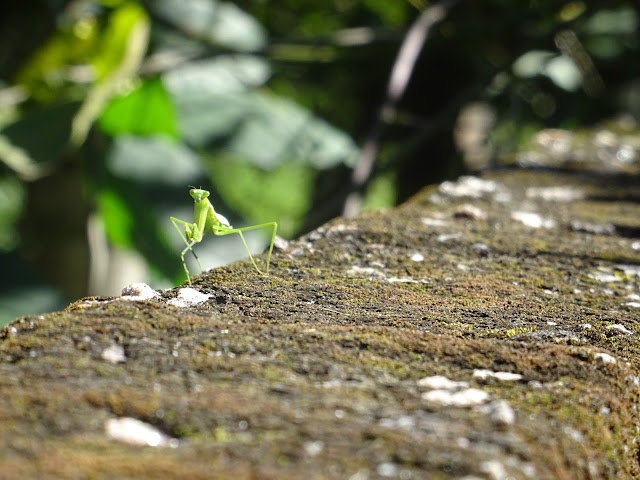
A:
[206,220]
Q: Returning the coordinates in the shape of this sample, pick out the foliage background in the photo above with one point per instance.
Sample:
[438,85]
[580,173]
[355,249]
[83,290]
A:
[110,109]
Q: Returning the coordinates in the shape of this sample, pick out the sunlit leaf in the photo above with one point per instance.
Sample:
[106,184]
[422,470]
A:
[132,21]
[46,75]
[116,37]
[216,22]
[153,160]
[215,106]
[564,73]
[145,111]
[282,194]
[276,129]
[221,75]
[560,69]
[622,20]
[532,63]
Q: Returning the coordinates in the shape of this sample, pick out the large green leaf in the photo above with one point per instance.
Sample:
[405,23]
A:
[217,104]
[220,23]
[275,129]
[210,96]
[131,222]
[283,194]
[145,111]
[37,141]
[149,160]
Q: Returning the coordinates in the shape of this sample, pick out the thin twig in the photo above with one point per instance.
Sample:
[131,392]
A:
[398,81]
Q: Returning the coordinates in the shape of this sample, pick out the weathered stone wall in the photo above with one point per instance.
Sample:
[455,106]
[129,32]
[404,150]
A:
[488,328]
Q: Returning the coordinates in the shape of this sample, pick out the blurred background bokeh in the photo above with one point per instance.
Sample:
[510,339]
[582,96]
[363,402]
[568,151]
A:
[110,109]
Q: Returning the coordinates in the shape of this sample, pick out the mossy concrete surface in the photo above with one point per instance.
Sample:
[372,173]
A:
[486,329]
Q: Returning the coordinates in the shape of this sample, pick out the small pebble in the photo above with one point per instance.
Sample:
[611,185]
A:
[189,297]
[440,382]
[505,376]
[605,358]
[114,354]
[139,291]
[417,257]
[533,220]
[133,431]
[501,413]
[463,398]
[619,327]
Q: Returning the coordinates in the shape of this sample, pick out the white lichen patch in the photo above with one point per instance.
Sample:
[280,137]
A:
[630,270]
[468,397]
[533,220]
[500,413]
[114,354]
[471,187]
[417,257]
[451,393]
[438,381]
[133,431]
[139,291]
[366,271]
[406,280]
[604,277]
[313,448]
[435,222]
[593,227]
[556,194]
[605,358]
[504,376]
[619,327]
[189,297]
[470,212]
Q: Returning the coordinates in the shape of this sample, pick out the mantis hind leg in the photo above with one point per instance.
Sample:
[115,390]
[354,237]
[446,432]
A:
[251,256]
[228,231]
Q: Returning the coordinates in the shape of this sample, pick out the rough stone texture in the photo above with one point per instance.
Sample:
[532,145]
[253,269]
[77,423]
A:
[486,329]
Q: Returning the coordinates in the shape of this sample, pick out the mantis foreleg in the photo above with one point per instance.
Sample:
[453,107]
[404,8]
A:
[189,229]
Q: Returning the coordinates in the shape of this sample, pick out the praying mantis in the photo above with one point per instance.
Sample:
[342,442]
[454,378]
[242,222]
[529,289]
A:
[206,220]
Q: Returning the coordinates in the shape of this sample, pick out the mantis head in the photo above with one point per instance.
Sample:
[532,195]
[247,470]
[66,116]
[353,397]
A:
[198,194]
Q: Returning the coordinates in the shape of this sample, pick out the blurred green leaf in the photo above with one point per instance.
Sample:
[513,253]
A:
[220,23]
[276,129]
[560,69]
[149,160]
[623,20]
[117,217]
[130,221]
[283,193]
[43,135]
[214,106]
[115,41]
[145,111]
[382,192]
[132,21]
[47,74]
[210,95]
[222,75]
[11,204]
